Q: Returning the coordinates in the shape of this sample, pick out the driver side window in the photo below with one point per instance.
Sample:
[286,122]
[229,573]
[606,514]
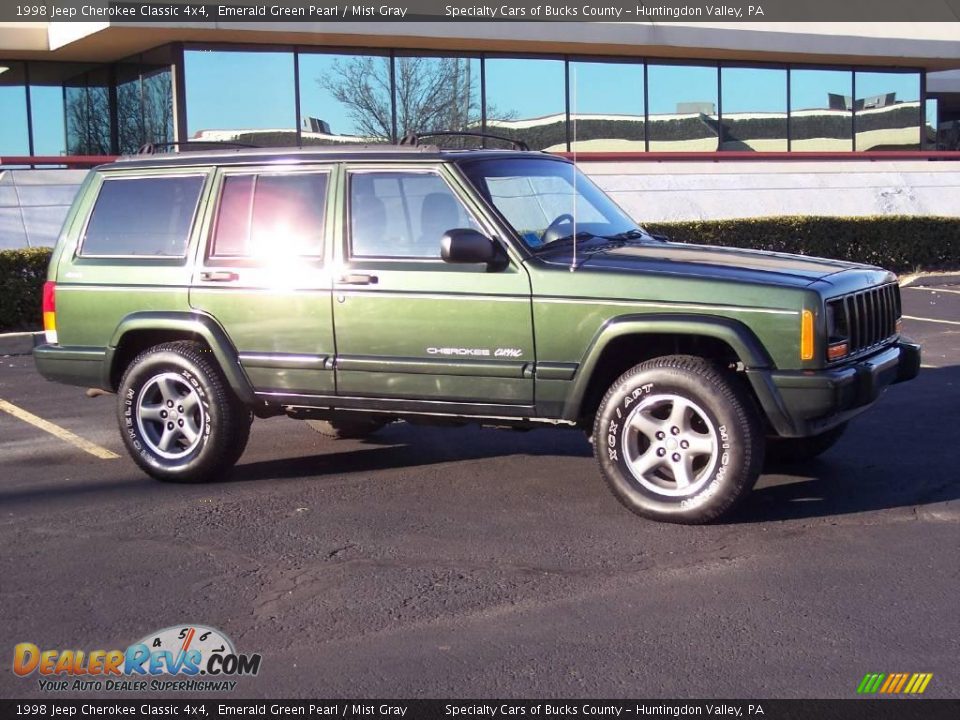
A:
[402,214]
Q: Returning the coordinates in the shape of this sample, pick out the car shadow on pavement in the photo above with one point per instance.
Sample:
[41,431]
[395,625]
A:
[408,446]
[903,453]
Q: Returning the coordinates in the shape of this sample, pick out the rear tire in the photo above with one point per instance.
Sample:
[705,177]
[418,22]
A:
[678,441]
[179,419]
[347,429]
[788,451]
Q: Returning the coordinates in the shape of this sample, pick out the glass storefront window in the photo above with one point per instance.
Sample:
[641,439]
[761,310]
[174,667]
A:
[526,100]
[241,97]
[438,93]
[821,110]
[14,134]
[47,108]
[344,99]
[607,105]
[683,108]
[887,111]
[754,107]
[87,110]
[931,110]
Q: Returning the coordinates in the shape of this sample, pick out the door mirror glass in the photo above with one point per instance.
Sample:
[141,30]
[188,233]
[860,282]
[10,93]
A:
[466,245]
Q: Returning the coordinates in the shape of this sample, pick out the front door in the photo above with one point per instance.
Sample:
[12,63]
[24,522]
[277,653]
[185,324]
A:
[264,276]
[412,327]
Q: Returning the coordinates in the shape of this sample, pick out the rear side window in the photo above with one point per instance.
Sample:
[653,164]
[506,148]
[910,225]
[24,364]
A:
[270,214]
[143,216]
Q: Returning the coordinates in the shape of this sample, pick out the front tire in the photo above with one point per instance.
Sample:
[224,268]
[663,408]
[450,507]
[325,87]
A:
[179,419]
[678,441]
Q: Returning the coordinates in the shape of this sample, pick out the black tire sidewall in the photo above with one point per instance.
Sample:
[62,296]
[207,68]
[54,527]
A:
[731,469]
[140,373]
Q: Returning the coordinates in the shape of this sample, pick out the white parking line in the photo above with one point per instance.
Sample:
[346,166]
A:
[57,431]
[920,319]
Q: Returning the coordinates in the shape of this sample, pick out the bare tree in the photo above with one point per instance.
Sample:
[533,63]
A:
[144,114]
[88,120]
[431,94]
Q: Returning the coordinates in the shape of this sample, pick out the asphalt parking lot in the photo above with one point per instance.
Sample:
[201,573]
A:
[484,563]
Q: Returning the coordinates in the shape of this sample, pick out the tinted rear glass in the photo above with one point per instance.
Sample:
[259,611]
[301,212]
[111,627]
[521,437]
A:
[143,216]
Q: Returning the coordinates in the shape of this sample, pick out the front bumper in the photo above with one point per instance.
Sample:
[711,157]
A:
[803,403]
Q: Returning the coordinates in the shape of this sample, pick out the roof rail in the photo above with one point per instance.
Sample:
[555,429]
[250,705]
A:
[151,148]
[413,138]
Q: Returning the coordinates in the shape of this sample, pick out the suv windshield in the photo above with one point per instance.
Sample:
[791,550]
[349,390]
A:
[537,198]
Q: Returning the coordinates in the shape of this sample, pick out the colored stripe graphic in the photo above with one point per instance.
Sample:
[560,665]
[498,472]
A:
[894,683]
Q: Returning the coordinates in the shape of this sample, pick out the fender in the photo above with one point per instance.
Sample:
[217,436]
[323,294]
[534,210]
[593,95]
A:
[193,323]
[734,333]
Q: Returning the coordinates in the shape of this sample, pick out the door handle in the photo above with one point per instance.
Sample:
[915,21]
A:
[358,279]
[219,276]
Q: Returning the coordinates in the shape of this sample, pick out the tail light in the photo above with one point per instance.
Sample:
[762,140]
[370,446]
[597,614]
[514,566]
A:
[50,312]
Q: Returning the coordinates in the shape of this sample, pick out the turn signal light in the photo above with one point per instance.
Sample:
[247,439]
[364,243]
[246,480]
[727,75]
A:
[837,351]
[806,335]
[50,312]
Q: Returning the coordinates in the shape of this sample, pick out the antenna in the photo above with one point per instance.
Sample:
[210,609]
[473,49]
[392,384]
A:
[573,103]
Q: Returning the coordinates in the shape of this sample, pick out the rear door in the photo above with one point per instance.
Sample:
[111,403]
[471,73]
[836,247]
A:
[412,327]
[264,274]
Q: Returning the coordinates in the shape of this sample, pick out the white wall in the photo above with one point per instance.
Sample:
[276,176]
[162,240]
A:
[33,203]
[658,191]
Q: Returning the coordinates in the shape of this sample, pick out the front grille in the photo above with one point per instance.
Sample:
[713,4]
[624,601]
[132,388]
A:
[869,317]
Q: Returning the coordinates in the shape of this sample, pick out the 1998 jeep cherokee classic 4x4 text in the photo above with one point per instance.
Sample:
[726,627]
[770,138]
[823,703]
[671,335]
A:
[366,285]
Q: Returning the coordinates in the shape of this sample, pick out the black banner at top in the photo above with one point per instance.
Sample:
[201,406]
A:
[487,709]
[313,11]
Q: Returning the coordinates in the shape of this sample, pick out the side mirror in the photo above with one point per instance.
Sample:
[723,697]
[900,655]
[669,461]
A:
[465,245]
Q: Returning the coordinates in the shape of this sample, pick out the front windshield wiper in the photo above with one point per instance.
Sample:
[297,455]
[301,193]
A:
[615,240]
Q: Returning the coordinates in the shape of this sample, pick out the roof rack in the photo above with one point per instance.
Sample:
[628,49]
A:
[151,148]
[413,138]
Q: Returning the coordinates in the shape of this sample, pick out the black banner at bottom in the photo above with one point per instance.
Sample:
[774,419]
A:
[855,709]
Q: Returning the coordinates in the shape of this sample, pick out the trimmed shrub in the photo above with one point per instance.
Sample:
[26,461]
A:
[897,242]
[22,273]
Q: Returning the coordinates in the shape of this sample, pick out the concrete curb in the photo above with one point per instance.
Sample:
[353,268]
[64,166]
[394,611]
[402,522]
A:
[932,279]
[17,343]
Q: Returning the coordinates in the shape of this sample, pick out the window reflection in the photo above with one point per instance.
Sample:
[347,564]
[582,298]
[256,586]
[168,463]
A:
[683,108]
[14,136]
[87,109]
[821,112]
[606,102]
[754,106]
[47,108]
[438,93]
[344,99]
[888,111]
[241,97]
[526,100]
[930,131]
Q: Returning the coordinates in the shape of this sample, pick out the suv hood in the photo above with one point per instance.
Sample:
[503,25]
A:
[709,262]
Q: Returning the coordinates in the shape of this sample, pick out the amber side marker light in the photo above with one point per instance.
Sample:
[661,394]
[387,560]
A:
[837,351]
[806,335]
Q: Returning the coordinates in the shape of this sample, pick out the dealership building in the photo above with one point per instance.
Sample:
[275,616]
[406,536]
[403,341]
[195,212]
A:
[676,120]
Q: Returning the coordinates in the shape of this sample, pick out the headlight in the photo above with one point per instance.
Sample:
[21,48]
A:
[838,331]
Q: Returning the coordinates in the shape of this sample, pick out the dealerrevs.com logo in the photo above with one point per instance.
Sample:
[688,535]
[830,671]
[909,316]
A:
[188,658]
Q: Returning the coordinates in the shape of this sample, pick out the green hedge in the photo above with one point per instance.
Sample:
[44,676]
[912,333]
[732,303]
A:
[896,242]
[22,273]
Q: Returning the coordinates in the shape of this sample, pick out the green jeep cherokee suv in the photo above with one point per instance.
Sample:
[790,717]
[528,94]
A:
[360,286]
